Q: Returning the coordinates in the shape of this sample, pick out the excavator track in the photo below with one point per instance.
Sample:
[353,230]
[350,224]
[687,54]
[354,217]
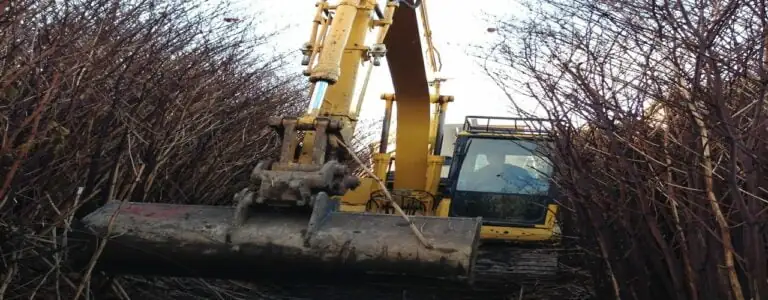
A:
[500,265]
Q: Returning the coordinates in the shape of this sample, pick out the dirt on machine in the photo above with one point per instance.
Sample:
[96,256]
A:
[467,205]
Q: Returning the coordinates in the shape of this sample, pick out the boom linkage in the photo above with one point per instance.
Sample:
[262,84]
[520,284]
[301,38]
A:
[311,161]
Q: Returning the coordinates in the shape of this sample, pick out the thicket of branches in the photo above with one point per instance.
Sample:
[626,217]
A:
[149,100]
[667,175]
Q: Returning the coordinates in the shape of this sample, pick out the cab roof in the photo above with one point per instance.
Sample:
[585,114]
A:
[506,126]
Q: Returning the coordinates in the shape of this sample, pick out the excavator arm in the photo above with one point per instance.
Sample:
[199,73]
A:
[413,100]
[331,117]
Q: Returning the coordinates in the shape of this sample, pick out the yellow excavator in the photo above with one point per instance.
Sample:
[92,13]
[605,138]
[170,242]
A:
[491,218]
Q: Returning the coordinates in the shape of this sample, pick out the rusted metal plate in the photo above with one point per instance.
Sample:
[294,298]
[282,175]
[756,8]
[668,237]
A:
[188,240]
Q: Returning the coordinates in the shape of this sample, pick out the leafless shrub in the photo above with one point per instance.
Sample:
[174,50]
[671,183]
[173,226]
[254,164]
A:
[661,122]
[367,134]
[149,100]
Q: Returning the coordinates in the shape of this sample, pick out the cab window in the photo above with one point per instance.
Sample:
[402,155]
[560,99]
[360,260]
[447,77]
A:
[504,166]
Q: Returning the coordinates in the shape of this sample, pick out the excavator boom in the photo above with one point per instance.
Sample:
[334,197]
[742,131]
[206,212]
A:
[413,99]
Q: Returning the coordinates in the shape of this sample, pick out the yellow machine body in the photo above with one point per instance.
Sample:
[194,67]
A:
[305,213]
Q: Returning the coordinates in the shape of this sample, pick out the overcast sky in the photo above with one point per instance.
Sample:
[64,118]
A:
[456,26]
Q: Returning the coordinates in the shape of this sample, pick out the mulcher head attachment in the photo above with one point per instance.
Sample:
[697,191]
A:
[190,240]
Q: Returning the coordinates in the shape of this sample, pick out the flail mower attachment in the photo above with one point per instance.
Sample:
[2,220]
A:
[191,240]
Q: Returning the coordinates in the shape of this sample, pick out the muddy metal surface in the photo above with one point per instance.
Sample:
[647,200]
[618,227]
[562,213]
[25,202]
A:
[156,239]
[500,275]
[189,240]
[567,285]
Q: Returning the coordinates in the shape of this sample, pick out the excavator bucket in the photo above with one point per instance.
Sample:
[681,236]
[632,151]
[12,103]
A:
[193,241]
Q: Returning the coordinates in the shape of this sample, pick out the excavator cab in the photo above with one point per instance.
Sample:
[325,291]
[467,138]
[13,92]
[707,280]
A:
[501,173]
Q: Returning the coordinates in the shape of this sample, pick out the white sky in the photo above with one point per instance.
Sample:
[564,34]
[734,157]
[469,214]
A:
[456,26]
